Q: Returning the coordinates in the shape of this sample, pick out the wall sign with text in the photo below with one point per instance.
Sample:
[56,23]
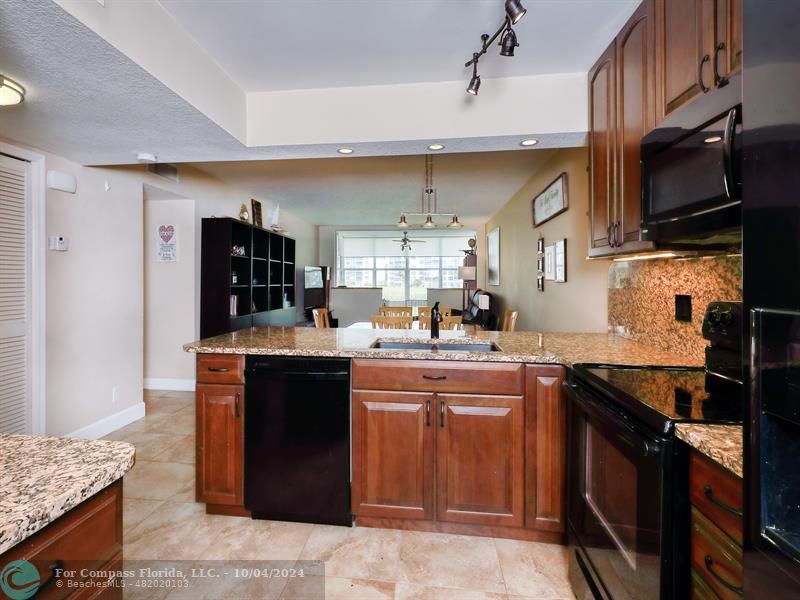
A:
[551,202]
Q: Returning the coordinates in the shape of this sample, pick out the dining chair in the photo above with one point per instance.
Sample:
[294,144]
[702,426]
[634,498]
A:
[395,311]
[393,322]
[509,320]
[425,311]
[451,322]
[424,322]
[321,318]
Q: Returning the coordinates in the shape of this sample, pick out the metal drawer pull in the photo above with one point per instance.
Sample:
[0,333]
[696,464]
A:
[435,377]
[441,413]
[719,80]
[54,569]
[218,369]
[708,492]
[710,568]
[236,405]
[427,413]
[702,85]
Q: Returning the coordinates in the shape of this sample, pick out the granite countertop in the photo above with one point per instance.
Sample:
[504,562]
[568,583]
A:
[724,444]
[41,478]
[519,346]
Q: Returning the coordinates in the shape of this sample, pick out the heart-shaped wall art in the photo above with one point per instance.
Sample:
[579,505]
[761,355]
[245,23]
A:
[166,232]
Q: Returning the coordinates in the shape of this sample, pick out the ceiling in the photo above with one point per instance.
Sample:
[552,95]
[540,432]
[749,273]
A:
[288,44]
[373,191]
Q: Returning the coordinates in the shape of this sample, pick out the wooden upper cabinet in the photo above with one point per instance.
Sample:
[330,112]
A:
[602,150]
[480,459]
[545,449]
[636,116]
[393,454]
[220,444]
[729,37]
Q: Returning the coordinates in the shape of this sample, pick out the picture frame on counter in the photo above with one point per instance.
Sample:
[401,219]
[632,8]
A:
[551,202]
[258,219]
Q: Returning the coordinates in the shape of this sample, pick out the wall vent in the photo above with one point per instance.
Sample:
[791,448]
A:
[164,170]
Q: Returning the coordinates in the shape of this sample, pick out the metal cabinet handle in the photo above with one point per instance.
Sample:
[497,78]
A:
[218,369]
[719,80]
[441,413]
[435,377]
[56,566]
[702,85]
[708,492]
[427,413]
[236,405]
[608,236]
[710,568]
[617,227]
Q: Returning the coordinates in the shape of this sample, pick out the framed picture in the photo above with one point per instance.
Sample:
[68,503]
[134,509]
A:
[257,218]
[540,265]
[561,260]
[551,202]
[540,245]
[540,283]
[493,256]
[550,263]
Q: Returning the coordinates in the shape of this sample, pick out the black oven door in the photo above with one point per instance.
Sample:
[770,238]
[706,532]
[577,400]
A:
[615,499]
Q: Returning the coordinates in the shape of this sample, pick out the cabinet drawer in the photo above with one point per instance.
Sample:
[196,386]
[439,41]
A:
[87,537]
[717,493]
[438,376]
[700,589]
[220,368]
[716,557]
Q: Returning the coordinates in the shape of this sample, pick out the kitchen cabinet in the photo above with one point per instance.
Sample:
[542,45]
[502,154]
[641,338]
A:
[220,430]
[622,108]
[459,447]
[699,45]
[393,454]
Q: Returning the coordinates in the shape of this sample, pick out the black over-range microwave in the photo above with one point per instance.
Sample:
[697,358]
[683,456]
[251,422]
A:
[692,175]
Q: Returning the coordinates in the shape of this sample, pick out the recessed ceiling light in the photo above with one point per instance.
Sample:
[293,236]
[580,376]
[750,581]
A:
[527,143]
[713,139]
[345,150]
[146,157]
[11,92]
[435,147]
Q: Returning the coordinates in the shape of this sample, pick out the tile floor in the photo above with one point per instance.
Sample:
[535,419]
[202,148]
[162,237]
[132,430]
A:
[163,522]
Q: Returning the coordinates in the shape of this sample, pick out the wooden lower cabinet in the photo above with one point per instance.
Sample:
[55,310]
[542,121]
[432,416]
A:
[392,455]
[480,457]
[489,464]
[220,444]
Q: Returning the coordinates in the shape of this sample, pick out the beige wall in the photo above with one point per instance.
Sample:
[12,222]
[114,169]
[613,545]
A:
[169,313]
[581,303]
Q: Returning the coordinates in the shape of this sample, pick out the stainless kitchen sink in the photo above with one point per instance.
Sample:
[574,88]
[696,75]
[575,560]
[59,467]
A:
[440,346]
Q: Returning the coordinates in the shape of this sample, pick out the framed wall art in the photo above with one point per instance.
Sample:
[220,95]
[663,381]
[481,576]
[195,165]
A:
[257,218]
[493,256]
[560,260]
[551,202]
[550,263]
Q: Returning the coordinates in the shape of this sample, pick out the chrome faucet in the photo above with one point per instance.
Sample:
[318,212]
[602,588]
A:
[436,318]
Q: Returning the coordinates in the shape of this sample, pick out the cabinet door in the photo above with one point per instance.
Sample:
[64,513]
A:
[393,455]
[685,45]
[545,449]
[480,459]
[729,37]
[636,92]
[220,444]
[602,156]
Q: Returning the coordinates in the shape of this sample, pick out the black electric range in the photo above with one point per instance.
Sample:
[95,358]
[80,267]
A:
[628,510]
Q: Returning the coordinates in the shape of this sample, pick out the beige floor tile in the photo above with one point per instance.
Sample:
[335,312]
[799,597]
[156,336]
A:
[229,587]
[157,480]
[534,570]
[136,510]
[150,444]
[183,423]
[241,538]
[172,532]
[413,591]
[451,561]
[337,588]
[355,553]
[179,395]
[124,433]
[183,452]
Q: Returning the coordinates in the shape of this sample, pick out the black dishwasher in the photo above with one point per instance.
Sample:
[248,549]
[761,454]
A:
[297,439]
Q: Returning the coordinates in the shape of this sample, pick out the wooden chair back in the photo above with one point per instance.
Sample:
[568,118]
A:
[395,311]
[451,322]
[321,318]
[425,311]
[509,320]
[382,322]
[424,322]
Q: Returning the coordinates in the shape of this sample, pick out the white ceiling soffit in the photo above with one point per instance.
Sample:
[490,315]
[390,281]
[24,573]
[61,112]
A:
[373,191]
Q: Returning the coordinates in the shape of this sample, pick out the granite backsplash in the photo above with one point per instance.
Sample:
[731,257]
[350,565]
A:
[641,299]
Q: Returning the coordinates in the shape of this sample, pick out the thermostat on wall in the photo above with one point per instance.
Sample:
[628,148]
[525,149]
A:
[56,180]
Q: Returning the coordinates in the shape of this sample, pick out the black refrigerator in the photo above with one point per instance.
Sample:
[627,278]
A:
[771,294]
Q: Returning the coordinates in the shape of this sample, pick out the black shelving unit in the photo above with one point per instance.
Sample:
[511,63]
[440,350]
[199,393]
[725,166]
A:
[262,281]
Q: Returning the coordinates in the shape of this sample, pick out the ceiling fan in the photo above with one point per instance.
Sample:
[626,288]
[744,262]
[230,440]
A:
[405,242]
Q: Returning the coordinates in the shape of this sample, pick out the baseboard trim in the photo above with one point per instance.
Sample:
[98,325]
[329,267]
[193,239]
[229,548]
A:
[111,423]
[172,385]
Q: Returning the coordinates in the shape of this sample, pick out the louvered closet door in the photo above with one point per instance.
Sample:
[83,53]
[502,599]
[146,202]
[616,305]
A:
[15,280]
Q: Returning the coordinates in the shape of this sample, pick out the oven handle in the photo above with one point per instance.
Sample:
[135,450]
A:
[727,152]
[636,439]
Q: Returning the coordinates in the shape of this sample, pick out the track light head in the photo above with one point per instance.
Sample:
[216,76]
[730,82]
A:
[515,10]
[474,85]
[508,42]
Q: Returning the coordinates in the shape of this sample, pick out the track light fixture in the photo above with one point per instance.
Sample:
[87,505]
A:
[514,13]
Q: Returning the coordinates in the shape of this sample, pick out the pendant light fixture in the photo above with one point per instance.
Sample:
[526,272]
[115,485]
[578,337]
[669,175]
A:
[508,42]
[11,92]
[429,208]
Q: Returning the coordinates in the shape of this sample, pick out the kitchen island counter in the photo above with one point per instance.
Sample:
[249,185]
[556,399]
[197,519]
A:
[520,346]
[724,444]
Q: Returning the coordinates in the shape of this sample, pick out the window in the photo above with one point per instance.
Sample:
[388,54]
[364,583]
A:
[374,259]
